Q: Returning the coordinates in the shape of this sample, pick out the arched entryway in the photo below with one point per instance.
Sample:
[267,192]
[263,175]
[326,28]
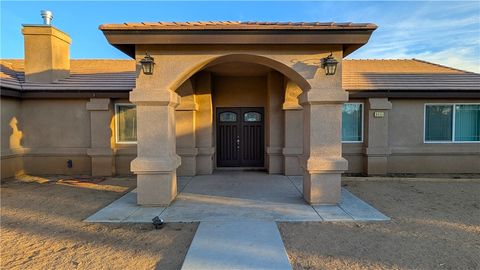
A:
[235,112]
[180,91]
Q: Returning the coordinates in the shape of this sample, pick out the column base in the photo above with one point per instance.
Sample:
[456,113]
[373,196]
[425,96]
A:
[188,167]
[292,161]
[205,160]
[377,165]
[156,189]
[322,188]
[102,161]
[274,160]
[322,179]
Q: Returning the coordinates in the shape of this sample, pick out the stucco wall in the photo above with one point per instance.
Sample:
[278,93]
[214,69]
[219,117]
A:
[239,91]
[411,155]
[40,135]
[54,131]
[12,137]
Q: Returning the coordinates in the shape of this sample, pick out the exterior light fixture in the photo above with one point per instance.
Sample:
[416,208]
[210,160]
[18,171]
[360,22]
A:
[147,64]
[330,65]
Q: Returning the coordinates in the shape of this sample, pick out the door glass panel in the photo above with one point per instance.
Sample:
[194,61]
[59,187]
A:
[252,117]
[228,117]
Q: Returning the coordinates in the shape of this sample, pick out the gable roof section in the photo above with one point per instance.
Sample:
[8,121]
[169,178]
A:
[362,78]
[85,74]
[405,75]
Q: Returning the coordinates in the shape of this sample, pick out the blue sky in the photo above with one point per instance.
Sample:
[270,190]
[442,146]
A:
[442,32]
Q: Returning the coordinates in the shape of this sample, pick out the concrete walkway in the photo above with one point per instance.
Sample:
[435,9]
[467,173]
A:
[237,245]
[239,196]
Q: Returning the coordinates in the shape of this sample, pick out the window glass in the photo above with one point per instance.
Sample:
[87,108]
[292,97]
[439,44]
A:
[126,123]
[228,117]
[352,122]
[438,122]
[252,117]
[467,123]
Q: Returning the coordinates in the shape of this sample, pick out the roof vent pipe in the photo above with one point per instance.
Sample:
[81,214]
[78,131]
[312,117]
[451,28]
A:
[47,16]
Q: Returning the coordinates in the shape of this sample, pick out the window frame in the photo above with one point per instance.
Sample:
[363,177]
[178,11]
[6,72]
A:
[363,120]
[220,117]
[117,141]
[453,122]
[245,121]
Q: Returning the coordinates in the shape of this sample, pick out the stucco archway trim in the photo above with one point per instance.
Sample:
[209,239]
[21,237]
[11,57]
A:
[287,71]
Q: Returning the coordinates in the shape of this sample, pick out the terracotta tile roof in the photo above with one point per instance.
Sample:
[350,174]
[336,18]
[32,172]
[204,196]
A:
[236,25]
[85,74]
[358,75]
[411,74]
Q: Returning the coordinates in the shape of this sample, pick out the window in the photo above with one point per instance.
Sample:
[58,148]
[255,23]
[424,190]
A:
[467,123]
[126,123]
[228,117]
[452,123]
[438,122]
[352,122]
[252,117]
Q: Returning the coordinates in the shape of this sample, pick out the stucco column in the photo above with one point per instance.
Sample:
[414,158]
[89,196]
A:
[293,118]
[204,123]
[323,164]
[378,148]
[100,151]
[185,130]
[157,161]
[274,122]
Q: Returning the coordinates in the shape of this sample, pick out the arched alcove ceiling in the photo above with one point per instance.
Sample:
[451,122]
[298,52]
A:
[266,62]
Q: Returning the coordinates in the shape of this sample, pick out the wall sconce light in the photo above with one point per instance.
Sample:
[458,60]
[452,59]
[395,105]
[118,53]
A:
[330,65]
[147,64]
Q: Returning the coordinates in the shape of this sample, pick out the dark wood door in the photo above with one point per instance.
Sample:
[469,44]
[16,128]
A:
[240,137]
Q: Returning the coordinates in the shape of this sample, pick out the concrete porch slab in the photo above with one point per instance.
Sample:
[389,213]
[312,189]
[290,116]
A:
[126,209]
[237,197]
[237,245]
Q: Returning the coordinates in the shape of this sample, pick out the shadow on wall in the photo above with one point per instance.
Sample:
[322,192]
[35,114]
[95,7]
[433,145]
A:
[307,68]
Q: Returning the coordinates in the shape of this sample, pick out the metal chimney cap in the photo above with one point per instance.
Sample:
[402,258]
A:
[47,16]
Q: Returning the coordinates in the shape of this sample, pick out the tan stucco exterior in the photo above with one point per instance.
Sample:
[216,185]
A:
[176,124]
[67,137]
[47,53]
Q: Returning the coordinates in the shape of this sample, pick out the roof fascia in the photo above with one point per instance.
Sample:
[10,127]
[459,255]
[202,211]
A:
[125,40]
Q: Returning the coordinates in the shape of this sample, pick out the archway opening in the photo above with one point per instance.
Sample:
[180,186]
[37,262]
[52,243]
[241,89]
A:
[237,118]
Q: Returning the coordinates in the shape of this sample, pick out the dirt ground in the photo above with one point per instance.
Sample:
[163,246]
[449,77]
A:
[42,228]
[435,225]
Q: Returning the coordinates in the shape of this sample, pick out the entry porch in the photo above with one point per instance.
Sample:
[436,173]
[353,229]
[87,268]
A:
[302,63]
[227,196]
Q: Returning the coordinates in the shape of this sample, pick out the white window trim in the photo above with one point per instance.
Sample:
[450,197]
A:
[453,122]
[117,141]
[363,120]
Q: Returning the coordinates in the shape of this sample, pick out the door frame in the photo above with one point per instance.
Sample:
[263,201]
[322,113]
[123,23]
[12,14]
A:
[240,120]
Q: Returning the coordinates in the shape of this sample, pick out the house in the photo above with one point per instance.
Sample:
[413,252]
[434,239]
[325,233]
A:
[201,96]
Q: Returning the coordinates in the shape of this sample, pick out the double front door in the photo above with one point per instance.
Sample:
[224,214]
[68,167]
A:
[240,137]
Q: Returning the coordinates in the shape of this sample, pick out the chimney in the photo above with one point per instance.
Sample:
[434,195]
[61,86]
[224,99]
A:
[47,51]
